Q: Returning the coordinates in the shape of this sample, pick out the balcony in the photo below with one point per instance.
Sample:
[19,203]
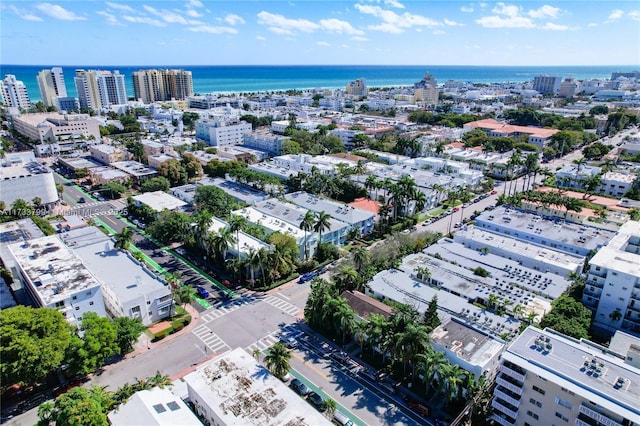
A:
[511,373]
[503,408]
[581,423]
[513,387]
[502,420]
[505,395]
[601,418]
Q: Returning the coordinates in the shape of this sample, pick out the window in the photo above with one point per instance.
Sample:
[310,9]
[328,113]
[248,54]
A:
[77,308]
[561,416]
[539,390]
[88,293]
[532,414]
[536,403]
[74,298]
[563,403]
[90,303]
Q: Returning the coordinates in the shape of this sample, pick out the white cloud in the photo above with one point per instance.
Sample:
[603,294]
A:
[394,3]
[322,43]
[615,15]
[59,12]
[213,30]
[592,24]
[260,38]
[110,18]
[340,27]
[144,20]
[118,6]
[394,23]
[233,19]
[193,13]
[510,22]
[451,23]
[170,17]
[545,11]
[344,46]
[359,38]
[635,15]
[472,46]
[438,32]
[281,25]
[554,27]
[23,14]
[466,9]
[194,3]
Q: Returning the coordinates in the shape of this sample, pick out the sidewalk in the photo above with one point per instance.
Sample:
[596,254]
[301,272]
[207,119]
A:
[145,344]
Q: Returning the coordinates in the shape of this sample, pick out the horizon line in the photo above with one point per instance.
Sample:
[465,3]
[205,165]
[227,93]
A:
[320,65]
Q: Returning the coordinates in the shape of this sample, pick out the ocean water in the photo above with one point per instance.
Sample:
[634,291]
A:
[227,79]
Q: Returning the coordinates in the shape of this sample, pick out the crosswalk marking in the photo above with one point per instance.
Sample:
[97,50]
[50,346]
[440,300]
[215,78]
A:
[273,337]
[212,340]
[285,307]
[220,309]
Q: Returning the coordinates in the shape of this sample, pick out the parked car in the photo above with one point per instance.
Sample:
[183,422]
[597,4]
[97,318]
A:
[456,209]
[202,292]
[316,400]
[82,200]
[290,342]
[299,387]
[341,420]
[307,277]
[494,192]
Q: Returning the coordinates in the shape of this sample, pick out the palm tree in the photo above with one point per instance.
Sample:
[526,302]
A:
[330,407]
[513,163]
[412,341]
[160,380]
[375,330]
[256,354]
[219,243]
[45,413]
[344,318]
[123,238]
[370,183]
[453,379]
[278,360]
[307,224]
[236,224]
[608,165]
[492,301]
[361,257]
[579,162]
[347,278]
[423,273]
[201,229]
[430,365]
[322,223]
[518,310]
[360,328]
[530,164]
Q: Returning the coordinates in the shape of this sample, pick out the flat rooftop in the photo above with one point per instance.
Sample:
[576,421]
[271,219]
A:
[615,255]
[108,173]
[154,407]
[159,200]
[399,286]
[467,343]
[79,163]
[530,226]
[342,212]
[242,392]
[270,222]
[240,192]
[22,169]
[116,269]
[292,213]
[506,243]
[507,278]
[572,364]
[134,168]
[16,231]
[55,270]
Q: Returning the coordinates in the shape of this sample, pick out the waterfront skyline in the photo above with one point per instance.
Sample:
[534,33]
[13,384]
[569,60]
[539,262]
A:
[386,32]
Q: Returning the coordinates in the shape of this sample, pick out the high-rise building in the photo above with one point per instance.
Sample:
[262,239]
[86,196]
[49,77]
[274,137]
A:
[547,378]
[162,85]
[14,92]
[357,89]
[612,288]
[51,84]
[568,88]
[427,90]
[100,89]
[546,84]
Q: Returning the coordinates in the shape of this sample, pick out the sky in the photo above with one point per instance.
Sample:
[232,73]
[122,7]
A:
[319,32]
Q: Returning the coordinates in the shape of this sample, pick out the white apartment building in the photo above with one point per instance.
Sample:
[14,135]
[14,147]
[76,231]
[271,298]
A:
[51,85]
[243,244]
[55,277]
[14,92]
[346,136]
[547,378]
[545,84]
[617,184]
[98,89]
[572,176]
[612,290]
[219,132]
[107,154]
[265,141]
[129,288]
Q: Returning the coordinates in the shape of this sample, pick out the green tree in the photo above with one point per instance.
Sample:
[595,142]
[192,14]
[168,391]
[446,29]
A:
[215,200]
[278,360]
[34,343]
[237,224]
[307,224]
[99,341]
[431,319]
[123,238]
[322,223]
[191,165]
[360,257]
[114,190]
[173,170]
[128,331]
[79,407]
[330,407]
[158,183]
[568,316]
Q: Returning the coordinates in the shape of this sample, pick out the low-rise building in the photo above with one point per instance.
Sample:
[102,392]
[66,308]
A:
[617,184]
[265,141]
[107,154]
[243,244]
[103,175]
[575,176]
[218,131]
[138,171]
[159,201]
[129,288]
[153,407]
[55,277]
[567,237]
[544,375]
[233,389]
[528,255]
[22,178]
[362,220]
[535,135]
